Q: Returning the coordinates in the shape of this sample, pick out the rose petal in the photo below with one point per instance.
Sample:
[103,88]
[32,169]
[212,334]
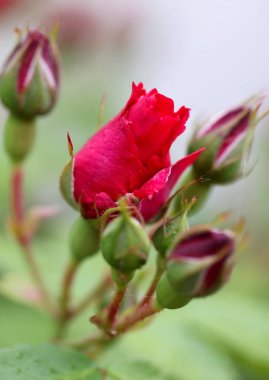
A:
[93,207]
[156,191]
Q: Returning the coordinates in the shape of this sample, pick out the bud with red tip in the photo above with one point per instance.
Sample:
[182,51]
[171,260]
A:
[198,265]
[227,139]
[29,81]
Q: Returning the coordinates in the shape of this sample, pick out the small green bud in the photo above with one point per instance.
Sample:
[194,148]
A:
[84,239]
[168,297]
[167,233]
[125,244]
[19,136]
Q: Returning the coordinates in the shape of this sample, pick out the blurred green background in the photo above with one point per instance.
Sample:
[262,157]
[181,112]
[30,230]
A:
[207,55]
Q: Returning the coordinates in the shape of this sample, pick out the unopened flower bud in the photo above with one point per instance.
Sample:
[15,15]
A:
[227,139]
[167,233]
[29,81]
[84,239]
[168,297]
[198,265]
[125,244]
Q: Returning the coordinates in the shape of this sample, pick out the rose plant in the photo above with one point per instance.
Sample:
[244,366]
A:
[132,201]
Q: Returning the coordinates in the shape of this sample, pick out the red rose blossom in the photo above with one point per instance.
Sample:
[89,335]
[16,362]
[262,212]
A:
[130,156]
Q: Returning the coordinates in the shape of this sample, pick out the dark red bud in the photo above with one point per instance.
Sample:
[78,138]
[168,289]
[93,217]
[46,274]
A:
[201,261]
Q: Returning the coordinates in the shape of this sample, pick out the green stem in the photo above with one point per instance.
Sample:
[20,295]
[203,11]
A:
[65,298]
[151,290]
[23,237]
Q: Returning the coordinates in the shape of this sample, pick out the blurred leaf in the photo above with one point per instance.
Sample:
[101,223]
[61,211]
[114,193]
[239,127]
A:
[239,324]
[19,323]
[175,348]
[44,362]
[48,362]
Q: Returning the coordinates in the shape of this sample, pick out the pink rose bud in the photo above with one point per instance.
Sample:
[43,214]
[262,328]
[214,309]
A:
[198,265]
[29,81]
[129,157]
[227,139]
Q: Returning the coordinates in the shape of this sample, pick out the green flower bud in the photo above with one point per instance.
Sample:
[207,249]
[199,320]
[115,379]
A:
[19,136]
[29,81]
[168,297]
[167,233]
[84,239]
[125,244]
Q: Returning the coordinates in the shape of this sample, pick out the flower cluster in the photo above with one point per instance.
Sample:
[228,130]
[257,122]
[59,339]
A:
[128,192]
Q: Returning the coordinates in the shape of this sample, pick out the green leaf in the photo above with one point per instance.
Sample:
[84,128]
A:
[45,362]
[49,362]
[174,348]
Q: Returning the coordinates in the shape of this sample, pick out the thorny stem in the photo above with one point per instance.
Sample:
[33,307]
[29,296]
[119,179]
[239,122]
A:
[24,238]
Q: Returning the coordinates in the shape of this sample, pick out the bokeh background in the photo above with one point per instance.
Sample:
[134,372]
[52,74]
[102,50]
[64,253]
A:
[207,55]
